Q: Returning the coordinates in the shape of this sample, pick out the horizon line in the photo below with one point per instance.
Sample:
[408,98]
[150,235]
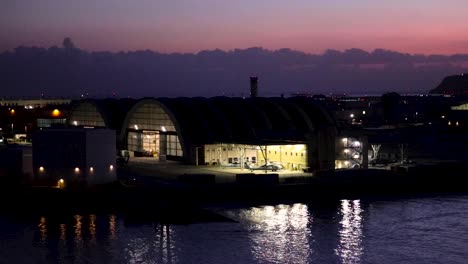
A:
[235,49]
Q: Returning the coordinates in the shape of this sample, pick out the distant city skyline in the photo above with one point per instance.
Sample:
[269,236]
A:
[189,26]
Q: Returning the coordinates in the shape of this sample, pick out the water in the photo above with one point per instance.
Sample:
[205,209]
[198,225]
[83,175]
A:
[416,230]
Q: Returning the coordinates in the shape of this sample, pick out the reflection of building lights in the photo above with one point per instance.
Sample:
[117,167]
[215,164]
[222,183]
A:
[350,247]
[41,169]
[77,170]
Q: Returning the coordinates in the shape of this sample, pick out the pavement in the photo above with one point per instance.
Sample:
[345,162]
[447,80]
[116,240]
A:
[171,170]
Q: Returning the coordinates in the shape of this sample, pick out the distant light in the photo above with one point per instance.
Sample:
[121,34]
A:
[41,169]
[55,113]
[61,183]
[456,123]
[356,156]
[136,127]
[442,117]
[364,112]
[12,111]
[163,128]
[75,123]
[91,169]
[406,118]
[449,123]
[346,151]
[346,163]
[77,169]
[351,115]
[111,167]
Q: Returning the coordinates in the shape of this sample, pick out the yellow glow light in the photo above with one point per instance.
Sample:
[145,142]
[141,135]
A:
[12,111]
[41,169]
[56,113]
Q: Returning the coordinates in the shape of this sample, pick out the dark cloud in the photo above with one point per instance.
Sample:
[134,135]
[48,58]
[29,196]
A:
[69,71]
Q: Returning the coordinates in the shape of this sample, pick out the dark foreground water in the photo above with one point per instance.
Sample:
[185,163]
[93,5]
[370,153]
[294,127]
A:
[413,230]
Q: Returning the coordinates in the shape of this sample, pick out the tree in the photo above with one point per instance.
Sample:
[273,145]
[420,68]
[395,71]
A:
[375,149]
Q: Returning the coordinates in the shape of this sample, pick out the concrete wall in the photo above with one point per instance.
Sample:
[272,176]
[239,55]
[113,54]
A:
[69,154]
[101,155]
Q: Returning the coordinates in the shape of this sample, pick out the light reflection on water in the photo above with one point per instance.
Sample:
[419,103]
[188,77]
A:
[350,247]
[349,231]
[279,234]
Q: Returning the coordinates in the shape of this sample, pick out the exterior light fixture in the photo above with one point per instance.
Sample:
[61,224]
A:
[363,112]
[163,128]
[12,111]
[41,169]
[91,169]
[56,113]
[61,183]
[351,115]
[136,127]
[75,123]
[111,167]
[77,170]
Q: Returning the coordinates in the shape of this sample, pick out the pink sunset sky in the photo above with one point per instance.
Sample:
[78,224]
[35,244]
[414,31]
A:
[412,26]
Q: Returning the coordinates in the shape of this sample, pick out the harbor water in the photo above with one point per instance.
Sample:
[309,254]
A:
[388,230]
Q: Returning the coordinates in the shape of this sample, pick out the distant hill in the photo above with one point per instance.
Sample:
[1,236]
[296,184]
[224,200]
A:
[455,84]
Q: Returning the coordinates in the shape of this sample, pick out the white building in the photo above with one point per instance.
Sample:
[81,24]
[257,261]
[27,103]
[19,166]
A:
[72,156]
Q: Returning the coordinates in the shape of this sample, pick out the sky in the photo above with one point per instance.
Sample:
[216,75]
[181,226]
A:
[312,26]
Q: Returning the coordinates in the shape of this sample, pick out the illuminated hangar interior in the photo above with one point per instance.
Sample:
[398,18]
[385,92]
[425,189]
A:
[219,131]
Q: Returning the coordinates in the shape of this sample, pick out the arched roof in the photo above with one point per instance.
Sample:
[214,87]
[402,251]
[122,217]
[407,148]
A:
[246,120]
[111,111]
